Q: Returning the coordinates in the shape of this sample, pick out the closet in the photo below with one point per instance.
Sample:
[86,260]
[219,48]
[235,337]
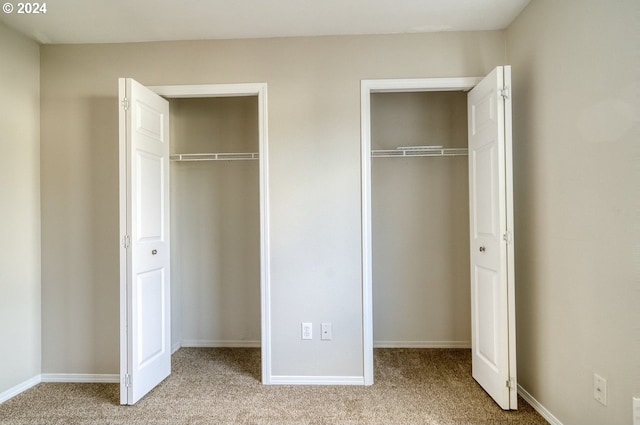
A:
[193,215]
[414,230]
[215,222]
[420,219]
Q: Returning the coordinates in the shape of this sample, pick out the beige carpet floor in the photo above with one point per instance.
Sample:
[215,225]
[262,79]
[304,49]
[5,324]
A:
[222,386]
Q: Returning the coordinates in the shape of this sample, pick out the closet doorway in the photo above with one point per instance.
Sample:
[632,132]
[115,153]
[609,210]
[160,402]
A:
[420,220]
[404,207]
[230,170]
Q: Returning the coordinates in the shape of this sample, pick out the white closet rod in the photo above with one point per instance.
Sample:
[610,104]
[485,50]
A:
[405,151]
[214,156]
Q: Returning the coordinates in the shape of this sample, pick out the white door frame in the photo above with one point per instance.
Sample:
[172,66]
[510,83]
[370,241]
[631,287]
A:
[229,90]
[366,88]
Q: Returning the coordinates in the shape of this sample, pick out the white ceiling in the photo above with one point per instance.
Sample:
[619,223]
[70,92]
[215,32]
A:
[115,21]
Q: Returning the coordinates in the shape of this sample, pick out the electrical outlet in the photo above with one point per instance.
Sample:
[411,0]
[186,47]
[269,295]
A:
[600,388]
[307,330]
[326,333]
[636,411]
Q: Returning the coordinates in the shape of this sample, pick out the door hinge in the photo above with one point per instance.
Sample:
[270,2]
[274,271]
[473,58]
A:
[505,92]
[126,241]
[127,380]
[125,104]
[507,237]
[511,384]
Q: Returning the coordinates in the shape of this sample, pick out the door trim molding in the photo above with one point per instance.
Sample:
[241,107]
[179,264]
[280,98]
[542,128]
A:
[366,88]
[246,89]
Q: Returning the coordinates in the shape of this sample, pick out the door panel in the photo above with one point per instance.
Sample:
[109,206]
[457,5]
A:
[146,343]
[486,288]
[149,300]
[484,178]
[492,286]
[149,200]
[149,121]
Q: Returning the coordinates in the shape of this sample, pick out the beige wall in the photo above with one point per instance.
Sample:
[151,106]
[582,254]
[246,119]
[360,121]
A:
[215,224]
[420,222]
[20,211]
[314,163]
[576,88]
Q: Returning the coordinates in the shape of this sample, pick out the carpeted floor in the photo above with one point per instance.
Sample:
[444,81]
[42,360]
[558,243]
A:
[222,386]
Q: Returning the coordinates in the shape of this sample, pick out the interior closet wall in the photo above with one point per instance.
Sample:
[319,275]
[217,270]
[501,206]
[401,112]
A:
[215,224]
[420,222]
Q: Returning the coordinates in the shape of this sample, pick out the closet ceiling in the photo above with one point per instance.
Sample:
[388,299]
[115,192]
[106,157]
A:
[116,21]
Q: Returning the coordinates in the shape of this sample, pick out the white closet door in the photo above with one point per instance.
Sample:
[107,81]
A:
[144,204]
[491,221]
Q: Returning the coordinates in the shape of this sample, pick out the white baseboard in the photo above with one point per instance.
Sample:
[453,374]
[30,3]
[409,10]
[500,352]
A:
[58,377]
[220,343]
[422,344]
[17,389]
[81,378]
[538,407]
[316,380]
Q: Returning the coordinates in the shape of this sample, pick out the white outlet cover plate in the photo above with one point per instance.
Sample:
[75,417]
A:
[326,332]
[307,330]
[600,388]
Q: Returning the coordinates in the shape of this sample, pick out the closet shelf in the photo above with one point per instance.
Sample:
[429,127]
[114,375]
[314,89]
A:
[214,156]
[407,151]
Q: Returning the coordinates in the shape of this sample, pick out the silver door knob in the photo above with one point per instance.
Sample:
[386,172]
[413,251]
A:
[482,249]
[154,252]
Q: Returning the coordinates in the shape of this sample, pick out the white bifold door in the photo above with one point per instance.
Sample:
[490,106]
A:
[491,228]
[145,339]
